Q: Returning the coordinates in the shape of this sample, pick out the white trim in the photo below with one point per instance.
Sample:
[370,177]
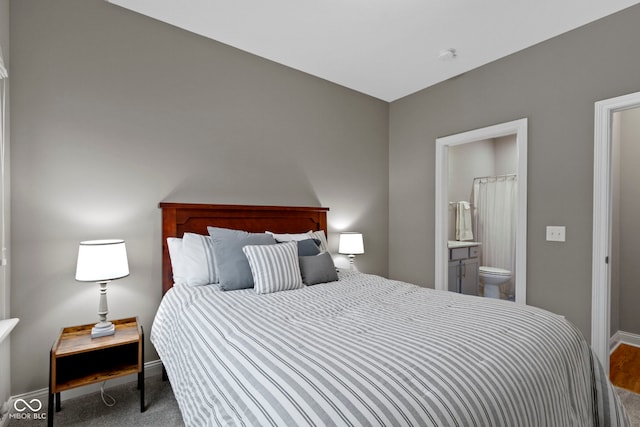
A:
[4,276]
[518,127]
[4,417]
[600,272]
[614,342]
[622,337]
[6,326]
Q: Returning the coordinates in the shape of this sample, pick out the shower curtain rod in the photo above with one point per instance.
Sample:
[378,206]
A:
[509,175]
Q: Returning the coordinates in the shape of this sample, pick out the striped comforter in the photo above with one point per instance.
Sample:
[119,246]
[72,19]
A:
[369,351]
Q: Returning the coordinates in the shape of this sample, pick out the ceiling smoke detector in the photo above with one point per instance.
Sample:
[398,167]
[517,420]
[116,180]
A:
[447,54]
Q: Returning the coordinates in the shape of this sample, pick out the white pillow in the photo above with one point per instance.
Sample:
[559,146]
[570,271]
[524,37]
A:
[274,267]
[287,237]
[177,265]
[324,246]
[198,267]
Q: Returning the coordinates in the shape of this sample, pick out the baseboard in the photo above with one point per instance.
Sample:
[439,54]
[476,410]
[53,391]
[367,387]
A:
[622,337]
[150,369]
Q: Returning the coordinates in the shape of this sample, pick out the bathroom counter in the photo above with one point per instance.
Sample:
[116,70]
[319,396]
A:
[452,244]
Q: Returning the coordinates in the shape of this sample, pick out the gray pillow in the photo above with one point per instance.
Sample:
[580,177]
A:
[231,263]
[308,247]
[317,269]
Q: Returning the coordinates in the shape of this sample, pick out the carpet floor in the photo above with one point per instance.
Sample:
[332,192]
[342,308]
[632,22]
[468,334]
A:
[631,402]
[162,408]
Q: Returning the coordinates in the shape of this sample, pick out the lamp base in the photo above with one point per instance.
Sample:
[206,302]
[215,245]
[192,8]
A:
[103,329]
[352,262]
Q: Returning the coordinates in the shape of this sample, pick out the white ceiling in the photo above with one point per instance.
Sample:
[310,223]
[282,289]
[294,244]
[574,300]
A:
[384,48]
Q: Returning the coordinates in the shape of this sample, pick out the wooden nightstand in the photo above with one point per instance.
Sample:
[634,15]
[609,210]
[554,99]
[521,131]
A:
[78,360]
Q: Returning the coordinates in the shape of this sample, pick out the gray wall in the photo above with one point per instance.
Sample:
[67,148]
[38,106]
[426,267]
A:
[555,85]
[467,161]
[629,231]
[614,313]
[496,156]
[113,112]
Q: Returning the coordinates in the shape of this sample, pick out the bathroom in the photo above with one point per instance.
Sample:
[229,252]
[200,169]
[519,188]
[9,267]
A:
[482,223]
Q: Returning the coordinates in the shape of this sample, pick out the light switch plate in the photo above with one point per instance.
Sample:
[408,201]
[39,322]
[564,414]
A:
[556,233]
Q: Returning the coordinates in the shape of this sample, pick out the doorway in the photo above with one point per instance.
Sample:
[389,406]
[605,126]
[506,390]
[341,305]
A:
[603,220]
[443,144]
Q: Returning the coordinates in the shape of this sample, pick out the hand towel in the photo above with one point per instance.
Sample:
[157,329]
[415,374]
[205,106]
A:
[463,221]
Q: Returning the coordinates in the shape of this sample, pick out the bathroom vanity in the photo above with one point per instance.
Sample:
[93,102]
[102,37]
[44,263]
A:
[464,267]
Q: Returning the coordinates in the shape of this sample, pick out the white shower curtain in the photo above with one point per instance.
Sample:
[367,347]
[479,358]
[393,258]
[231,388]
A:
[495,218]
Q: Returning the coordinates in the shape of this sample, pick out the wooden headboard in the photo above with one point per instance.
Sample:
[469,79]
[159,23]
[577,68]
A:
[179,218]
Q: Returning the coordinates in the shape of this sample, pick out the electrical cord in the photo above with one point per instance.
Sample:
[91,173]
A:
[106,397]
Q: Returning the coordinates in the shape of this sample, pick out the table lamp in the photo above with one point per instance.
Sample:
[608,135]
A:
[102,261]
[351,244]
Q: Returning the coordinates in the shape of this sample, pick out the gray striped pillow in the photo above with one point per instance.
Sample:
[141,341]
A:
[274,267]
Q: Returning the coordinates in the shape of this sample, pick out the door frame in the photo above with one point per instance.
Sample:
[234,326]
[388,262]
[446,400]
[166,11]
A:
[517,127]
[602,211]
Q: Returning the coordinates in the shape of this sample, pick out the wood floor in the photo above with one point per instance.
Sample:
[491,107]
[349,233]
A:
[624,367]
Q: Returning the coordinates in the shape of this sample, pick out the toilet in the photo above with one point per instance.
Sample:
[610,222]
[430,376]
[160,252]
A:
[492,278]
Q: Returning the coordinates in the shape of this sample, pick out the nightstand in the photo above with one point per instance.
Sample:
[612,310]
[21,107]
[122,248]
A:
[78,360]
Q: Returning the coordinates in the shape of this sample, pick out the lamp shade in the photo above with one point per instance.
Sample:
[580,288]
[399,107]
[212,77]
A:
[351,244]
[102,260]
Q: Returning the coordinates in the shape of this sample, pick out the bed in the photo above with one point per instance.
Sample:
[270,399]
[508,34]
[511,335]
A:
[362,350]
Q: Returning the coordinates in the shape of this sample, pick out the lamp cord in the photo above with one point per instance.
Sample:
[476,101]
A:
[106,397]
